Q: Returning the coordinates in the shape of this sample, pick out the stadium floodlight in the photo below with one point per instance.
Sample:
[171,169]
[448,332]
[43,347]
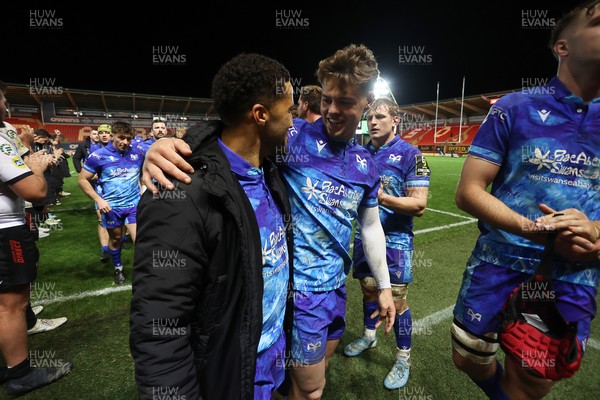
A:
[382,89]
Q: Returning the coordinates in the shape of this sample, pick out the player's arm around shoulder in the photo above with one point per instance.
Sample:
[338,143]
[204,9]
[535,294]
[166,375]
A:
[165,157]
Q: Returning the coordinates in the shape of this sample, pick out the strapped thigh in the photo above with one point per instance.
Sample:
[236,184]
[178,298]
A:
[481,349]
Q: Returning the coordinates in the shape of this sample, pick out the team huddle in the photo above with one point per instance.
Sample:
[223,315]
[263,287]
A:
[267,215]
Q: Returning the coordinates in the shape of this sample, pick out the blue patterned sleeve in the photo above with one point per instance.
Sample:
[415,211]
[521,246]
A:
[491,140]
[373,183]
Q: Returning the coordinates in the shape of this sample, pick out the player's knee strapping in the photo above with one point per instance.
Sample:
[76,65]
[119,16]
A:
[480,349]
[399,292]
[369,307]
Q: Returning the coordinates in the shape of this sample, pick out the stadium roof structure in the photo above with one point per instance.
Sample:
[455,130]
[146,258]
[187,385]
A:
[473,107]
[88,103]
[28,99]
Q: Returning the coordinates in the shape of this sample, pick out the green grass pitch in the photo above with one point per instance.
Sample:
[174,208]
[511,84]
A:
[96,337]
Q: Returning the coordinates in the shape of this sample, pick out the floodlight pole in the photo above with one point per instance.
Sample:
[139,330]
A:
[437,100]
[462,101]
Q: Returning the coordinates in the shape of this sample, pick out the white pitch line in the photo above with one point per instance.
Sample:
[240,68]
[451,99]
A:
[439,228]
[435,318]
[109,290]
[449,213]
[83,295]
[428,321]
[593,343]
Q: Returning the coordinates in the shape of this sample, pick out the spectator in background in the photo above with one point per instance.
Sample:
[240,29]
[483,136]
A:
[309,103]
[63,165]
[20,179]
[90,144]
[40,216]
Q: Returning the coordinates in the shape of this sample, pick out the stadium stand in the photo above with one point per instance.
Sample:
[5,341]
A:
[76,112]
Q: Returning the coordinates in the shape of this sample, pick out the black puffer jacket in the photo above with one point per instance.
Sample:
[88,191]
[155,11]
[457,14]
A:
[196,312]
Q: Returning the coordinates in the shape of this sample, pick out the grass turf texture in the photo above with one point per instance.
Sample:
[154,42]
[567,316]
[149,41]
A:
[96,337]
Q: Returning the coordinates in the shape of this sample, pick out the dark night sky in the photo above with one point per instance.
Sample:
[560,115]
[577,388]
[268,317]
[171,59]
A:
[102,47]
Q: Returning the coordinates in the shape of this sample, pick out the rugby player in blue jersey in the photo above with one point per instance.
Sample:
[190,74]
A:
[332,182]
[158,130]
[405,185]
[117,166]
[539,149]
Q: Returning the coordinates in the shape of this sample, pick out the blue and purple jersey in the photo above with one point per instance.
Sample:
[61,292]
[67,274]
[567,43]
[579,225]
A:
[118,174]
[137,140]
[327,181]
[93,148]
[144,145]
[401,166]
[547,143]
[271,225]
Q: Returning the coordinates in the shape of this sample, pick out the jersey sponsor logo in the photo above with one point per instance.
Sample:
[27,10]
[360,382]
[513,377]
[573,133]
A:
[122,171]
[543,114]
[562,162]
[7,149]
[393,158]
[330,194]
[18,162]
[320,145]
[310,189]
[422,168]
[541,160]
[275,248]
